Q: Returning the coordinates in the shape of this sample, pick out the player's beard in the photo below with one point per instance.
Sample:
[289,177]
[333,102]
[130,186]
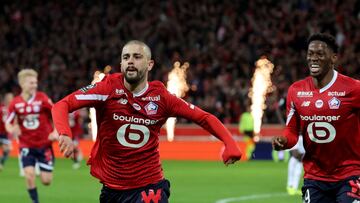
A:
[134,78]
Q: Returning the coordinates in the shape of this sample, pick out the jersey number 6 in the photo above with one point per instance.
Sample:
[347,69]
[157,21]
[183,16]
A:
[31,122]
[133,135]
[321,132]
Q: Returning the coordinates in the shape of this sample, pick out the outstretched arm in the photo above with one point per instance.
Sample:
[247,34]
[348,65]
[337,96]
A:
[210,123]
[81,98]
[60,113]
[291,132]
[178,107]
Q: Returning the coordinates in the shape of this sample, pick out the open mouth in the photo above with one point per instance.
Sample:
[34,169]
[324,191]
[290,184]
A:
[314,68]
[131,70]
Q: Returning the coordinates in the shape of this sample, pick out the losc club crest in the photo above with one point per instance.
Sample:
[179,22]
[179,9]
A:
[151,108]
[334,103]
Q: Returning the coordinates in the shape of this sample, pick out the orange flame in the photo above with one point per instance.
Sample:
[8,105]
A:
[261,86]
[177,85]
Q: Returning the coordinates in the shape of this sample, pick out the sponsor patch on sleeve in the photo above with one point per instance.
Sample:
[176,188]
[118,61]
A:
[85,89]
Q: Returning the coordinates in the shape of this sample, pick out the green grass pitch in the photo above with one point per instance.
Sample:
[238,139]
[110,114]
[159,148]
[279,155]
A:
[191,182]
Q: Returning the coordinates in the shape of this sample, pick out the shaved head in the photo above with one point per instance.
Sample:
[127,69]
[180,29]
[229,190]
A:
[145,47]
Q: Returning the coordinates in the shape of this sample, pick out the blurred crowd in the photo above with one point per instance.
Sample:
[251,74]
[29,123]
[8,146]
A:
[67,41]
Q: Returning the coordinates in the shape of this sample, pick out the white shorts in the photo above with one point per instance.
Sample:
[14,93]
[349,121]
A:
[299,146]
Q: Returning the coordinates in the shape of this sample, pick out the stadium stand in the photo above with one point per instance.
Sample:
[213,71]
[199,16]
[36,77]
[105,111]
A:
[66,41]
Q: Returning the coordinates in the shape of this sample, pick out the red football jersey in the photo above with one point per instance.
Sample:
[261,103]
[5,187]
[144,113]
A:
[125,154]
[34,118]
[75,125]
[329,120]
[3,115]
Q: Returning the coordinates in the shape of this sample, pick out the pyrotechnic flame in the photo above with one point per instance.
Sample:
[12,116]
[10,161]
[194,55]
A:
[177,85]
[97,77]
[261,86]
[93,125]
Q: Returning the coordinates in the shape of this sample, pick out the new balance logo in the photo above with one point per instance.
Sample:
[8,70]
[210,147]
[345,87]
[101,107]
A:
[123,101]
[152,197]
[119,91]
[305,103]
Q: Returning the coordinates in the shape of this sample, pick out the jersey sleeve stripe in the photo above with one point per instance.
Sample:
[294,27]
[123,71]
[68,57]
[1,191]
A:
[10,118]
[291,113]
[98,97]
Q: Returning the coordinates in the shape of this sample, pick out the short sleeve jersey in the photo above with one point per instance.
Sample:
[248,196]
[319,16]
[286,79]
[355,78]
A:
[34,118]
[329,120]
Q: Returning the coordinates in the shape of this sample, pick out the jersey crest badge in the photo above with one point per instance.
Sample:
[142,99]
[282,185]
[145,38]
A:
[151,108]
[36,108]
[334,103]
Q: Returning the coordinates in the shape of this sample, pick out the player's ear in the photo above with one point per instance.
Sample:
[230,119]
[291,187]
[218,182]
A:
[334,58]
[21,83]
[150,64]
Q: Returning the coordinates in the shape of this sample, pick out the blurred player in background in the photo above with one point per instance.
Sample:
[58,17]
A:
[246,127]
[295,168]
[324,108]
[32,109]
[5,143]
[130,112]
[75,122]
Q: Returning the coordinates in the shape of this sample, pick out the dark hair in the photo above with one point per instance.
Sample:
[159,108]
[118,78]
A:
[328,39]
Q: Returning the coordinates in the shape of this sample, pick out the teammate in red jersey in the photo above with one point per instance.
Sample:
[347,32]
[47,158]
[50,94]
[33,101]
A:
[75,122]
[130,112]
[5,143]
[324,108]
[32,109]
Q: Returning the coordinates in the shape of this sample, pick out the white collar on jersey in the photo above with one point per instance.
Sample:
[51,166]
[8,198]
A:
[31,99]
[330,83]
[142,91]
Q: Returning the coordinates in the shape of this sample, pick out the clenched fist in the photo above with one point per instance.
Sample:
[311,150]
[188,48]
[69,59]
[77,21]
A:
[66,145]
[279,142]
